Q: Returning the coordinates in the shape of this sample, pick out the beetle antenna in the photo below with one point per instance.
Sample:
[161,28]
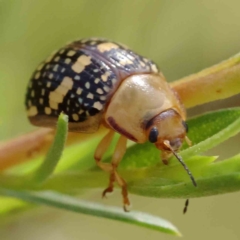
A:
[186,206]
[167,144]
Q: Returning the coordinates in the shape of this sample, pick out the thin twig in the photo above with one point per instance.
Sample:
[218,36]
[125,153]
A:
[32,145]
[217,82]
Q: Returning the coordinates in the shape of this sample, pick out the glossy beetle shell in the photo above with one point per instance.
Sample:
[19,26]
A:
[79,80]
[95,81]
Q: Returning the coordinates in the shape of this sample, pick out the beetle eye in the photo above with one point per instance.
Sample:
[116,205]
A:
[153,135]
[185,126]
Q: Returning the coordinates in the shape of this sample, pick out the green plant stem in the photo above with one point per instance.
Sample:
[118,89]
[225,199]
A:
[214,83]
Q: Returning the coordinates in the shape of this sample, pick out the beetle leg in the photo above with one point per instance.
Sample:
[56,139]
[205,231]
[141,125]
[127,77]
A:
[117,157]
[121,182]
[101,149]
[112,168]
[107,167]
[110,187]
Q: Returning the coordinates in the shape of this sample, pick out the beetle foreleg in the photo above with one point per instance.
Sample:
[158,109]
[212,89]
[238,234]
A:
[112,167]
[117,157]
[101,149]
[123,185]
[107,167]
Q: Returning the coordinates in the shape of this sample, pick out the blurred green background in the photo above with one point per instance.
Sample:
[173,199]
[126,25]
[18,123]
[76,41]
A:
[183,37]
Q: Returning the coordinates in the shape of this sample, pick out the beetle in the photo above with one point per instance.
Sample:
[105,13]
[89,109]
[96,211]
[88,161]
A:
[99,82]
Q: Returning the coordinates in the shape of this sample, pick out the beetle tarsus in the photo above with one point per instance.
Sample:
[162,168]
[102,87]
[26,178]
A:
[122,183]
[107,190]
[126,202]
[110,187]
[112,167]
[165,161]
[126,208]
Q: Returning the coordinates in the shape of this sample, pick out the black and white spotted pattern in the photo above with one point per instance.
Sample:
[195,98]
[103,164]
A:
[80,78]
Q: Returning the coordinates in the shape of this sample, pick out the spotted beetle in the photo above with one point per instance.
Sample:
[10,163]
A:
[99,82]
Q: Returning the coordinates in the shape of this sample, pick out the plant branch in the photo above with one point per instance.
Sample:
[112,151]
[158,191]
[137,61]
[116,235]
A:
[214,83]
[31,145]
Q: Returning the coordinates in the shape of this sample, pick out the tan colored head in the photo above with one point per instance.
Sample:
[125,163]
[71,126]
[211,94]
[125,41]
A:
[167,131]
[167,126]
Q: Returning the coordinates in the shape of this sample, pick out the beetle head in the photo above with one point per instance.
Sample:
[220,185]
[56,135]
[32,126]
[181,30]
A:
[168,131]
[167,127]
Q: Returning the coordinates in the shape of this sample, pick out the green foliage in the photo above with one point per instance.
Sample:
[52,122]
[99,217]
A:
[142,170]
[72,204]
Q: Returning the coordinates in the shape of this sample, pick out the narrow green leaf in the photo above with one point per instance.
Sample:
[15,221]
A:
[211,129]
[205,131]
[75,205]
[55,152]
[212,178]
[228,166]
[206,187]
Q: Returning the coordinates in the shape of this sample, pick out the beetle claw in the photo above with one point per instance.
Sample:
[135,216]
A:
[107,190]
[126,207]
[165,161]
